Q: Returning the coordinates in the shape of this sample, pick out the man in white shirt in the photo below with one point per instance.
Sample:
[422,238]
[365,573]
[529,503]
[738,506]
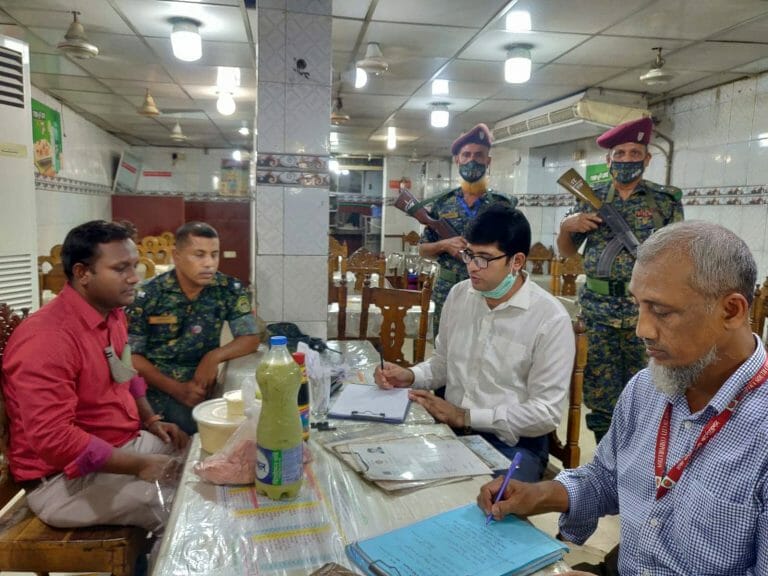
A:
[505,349]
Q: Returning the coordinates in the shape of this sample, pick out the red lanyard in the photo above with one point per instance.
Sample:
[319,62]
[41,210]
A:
[665,482]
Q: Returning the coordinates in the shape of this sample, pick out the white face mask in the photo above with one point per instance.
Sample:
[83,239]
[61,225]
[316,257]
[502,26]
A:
[120,370]
[504,286]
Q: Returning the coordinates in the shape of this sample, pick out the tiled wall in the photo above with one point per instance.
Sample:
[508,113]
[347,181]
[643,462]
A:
[720,161]
[89,156]
[293,120]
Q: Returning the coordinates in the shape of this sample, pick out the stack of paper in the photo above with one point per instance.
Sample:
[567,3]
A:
[369,402]
[458,542]
[405,462]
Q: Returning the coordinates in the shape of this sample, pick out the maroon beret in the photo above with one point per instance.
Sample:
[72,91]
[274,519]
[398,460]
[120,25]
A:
[478,135]
[634,131]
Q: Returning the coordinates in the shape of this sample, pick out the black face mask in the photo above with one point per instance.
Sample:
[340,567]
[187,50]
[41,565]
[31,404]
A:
[626,172]
[472,171]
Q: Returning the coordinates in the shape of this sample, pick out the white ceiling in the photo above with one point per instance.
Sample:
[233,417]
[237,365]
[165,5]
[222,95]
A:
[577,44]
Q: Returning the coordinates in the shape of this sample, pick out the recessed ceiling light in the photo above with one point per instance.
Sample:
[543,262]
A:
[518,21]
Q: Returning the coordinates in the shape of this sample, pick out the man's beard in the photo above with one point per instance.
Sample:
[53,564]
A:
[676,380]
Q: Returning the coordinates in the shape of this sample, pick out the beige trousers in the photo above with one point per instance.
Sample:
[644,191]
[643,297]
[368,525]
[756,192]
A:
[101,498]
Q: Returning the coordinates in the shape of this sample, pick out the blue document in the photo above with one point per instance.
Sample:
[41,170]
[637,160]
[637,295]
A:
[460,544]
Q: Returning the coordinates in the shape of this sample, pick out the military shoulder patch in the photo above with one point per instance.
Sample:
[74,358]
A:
[243,305]
[672,191]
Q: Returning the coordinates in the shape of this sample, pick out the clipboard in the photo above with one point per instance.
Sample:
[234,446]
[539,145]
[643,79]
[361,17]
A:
[369,402]
[458,542]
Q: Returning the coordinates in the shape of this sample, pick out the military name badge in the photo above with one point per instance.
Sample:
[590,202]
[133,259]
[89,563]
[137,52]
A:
[452,214]
[243,305]
[164,319]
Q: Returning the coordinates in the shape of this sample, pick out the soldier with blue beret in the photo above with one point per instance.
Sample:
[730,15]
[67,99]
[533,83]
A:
[471,153]
[175,326]
[615,353]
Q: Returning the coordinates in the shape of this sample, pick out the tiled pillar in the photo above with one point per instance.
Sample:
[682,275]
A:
[293,112]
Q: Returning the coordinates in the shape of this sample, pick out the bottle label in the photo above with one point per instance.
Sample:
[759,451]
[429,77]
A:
[304,414]
[279,467]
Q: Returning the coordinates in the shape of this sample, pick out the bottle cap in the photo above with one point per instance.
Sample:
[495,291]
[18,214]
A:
[298,357]
[278,341]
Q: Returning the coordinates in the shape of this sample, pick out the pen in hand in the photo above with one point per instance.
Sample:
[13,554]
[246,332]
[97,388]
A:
[512,467]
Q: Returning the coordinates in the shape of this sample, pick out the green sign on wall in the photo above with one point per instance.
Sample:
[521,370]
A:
[46,139]
[597,174]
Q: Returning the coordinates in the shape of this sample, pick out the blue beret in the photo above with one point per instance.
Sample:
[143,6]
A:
[634,131]
[478,135]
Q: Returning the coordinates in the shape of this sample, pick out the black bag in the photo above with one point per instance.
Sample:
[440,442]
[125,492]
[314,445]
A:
[294,335]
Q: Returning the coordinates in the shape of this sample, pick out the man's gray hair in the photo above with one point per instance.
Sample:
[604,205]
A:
[722,262]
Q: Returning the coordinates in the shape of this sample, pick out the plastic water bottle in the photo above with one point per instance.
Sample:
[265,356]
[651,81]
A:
[279,449]
[303,399]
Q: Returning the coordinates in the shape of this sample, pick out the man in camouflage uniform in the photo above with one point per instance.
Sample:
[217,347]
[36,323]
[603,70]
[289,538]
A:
[175,326]
[615,353]
[459,207]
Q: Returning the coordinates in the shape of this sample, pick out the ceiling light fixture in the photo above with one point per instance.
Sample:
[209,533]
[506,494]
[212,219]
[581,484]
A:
[361,78]
[440,87]
[439,117]
[237,155]
[75,42]
[226,104]
[391,138]
[517,67]
[149,108]
[176,134]
[185,39]
[243,130]
[373,62]
[337,115]
[333,138]
[518,21]
[656,75]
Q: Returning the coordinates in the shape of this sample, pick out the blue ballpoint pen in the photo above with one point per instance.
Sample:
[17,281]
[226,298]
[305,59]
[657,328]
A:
[512,468]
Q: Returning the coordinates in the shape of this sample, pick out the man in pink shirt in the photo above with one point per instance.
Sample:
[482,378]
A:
[84,441]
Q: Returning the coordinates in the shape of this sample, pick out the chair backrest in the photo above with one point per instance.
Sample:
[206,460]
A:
[50,275]
[8,323]
[564,272]
[157,249]
[394,304]
[337,293]
[759,310]
[337,262]
[538,256]
[568,452]
[412,238]
[363,262]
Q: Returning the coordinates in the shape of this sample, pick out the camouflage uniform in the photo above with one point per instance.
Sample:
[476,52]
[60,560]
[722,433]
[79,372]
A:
[452,270]
[174,333]
[615,353]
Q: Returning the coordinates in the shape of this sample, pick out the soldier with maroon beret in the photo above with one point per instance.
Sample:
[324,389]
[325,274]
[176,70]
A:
[471,153]
[615,353]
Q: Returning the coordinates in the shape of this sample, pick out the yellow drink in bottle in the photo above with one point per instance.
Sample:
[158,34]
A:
[279,448]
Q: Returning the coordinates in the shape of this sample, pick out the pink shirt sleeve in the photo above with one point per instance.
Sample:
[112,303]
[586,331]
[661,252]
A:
[138,387]
[95,455]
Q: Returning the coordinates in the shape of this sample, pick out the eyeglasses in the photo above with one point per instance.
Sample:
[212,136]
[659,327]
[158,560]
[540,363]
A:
[481,262]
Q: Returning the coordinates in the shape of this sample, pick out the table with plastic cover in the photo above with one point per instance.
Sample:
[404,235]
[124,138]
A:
[218,531]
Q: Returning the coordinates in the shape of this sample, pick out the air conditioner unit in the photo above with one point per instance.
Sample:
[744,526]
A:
[584,115]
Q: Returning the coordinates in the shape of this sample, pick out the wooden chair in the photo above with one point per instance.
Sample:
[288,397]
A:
[394,303]
[337,262]
[29,545]
[564,273]
[146,268]
[759,309]
[337,293]
[363,262]
[50,275]
[569,452]
[156,248]
[540,255]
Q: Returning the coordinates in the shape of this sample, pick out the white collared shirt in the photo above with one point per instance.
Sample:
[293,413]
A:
[509,366]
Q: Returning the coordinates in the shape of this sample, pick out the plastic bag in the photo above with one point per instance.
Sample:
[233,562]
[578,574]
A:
[235,462]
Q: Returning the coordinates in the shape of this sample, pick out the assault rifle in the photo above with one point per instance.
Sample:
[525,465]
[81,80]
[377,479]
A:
[623,235]
[408,204]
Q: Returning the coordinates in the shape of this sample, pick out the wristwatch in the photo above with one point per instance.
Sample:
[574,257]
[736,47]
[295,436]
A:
[467,428]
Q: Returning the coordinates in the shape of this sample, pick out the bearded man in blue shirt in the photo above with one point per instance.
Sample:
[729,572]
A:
[684,463]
